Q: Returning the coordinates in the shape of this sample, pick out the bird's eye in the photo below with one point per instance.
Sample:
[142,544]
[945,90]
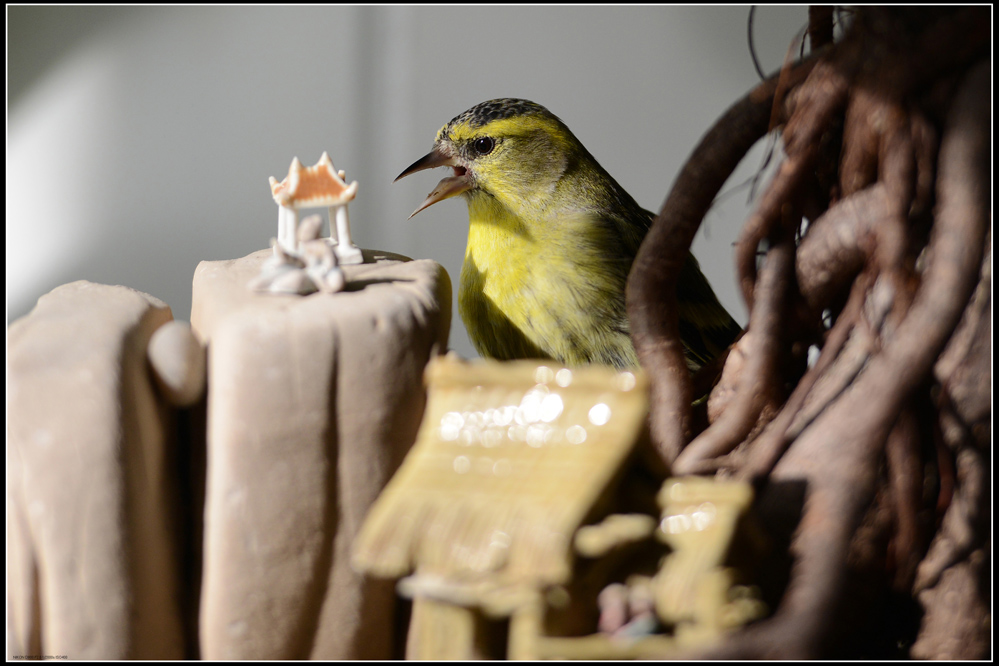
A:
[484,145]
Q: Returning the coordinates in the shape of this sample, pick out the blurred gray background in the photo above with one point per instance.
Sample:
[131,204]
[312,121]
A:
[140,139]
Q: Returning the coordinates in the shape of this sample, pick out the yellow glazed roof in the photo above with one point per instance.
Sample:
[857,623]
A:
[509,460]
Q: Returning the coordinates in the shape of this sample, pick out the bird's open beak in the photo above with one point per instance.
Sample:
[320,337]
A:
[451,186]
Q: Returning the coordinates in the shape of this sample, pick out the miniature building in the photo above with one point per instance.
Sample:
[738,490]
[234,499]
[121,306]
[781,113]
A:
[509,462]
[511,508]
[317,186]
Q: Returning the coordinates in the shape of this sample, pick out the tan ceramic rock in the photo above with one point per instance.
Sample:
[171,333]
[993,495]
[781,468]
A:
[178,363]
[313,402]
[92,567]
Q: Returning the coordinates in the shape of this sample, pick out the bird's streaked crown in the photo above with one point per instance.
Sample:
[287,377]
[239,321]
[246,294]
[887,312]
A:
[495,109]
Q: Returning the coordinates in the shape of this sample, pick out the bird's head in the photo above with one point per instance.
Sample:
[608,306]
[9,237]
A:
[510,149]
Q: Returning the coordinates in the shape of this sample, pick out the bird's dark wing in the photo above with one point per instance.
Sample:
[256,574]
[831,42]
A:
[707,329]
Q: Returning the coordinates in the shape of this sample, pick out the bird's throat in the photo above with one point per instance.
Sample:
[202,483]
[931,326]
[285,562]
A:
[502,258]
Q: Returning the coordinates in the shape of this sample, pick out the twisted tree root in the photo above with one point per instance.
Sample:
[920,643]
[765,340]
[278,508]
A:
[892,265]
[757,381]
[651,289]
[837,455]
[839,244]
[763,455]
[822,93]
[905,480]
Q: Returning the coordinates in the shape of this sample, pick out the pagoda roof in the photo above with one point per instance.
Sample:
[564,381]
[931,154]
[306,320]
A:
[312,187]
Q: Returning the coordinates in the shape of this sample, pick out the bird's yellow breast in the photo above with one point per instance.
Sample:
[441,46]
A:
[501,256]
[541,289]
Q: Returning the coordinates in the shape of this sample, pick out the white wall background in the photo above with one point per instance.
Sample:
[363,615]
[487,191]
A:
[140,139]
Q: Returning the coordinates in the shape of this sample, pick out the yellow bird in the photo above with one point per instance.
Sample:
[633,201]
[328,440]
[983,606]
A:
[551,240]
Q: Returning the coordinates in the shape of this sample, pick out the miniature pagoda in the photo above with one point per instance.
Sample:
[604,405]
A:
[317,186]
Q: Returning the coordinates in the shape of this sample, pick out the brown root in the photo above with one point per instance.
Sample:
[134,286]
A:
[757,383]
[839,244]
[859,456]
[652,283]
